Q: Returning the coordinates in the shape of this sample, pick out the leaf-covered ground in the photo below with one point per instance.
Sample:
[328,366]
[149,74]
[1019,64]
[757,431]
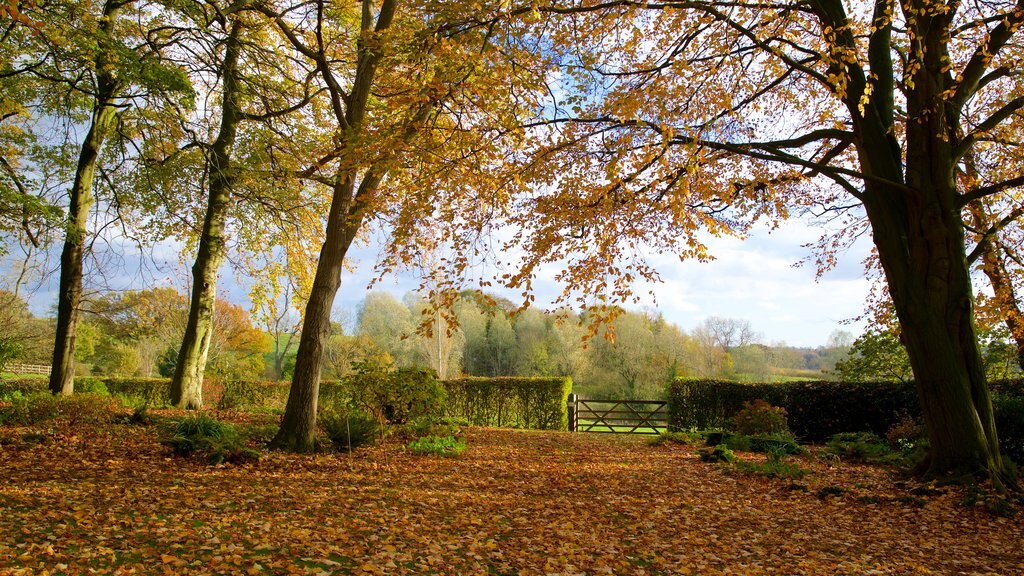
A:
[110,500]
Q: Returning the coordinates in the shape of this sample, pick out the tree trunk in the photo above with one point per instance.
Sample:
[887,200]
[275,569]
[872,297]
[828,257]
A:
[187,384]
[919,233]
[69,298]
[298,426]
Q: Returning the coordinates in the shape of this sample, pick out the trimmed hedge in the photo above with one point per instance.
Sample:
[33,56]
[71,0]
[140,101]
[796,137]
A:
[223,394]
[818,410]
[537,403]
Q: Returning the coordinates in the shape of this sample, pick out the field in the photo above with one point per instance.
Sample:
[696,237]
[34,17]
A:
[106,499]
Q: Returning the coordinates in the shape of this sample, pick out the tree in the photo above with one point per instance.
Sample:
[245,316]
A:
[90,61]
[439,106]
[388,323]
[893,97]
[255,86]
[876,355]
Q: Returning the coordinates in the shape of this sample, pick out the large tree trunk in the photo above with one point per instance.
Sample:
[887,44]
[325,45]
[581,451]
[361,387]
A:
[298,426]
[187,384]
[69,298]
[919,233]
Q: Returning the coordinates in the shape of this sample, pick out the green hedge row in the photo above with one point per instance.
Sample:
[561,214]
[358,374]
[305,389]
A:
[223,394]
[536,403]
[817,410]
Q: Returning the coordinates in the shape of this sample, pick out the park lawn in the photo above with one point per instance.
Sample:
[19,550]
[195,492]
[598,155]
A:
[110,500]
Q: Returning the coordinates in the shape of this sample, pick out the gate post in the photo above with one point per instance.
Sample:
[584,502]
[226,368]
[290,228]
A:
[571,407]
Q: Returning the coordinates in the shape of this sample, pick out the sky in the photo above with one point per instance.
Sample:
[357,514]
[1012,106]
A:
[755,279]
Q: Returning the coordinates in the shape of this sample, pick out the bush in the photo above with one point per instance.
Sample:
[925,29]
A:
[772,468]
[815,410]
[399,396]
[862,447]
[674,438]
[430,426]
[201,434]
[534,403]
[438,445]
[1009,415]
[39,407]
[249,394]
[350,429]
[760,417]
[719,453]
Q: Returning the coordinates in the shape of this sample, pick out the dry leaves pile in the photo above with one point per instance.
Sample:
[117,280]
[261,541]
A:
[109,500]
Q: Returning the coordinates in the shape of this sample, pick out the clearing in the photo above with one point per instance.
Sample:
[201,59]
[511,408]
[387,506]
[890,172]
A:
[110,500]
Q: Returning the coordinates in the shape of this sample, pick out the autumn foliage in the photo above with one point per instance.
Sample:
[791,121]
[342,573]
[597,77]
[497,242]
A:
[107,498]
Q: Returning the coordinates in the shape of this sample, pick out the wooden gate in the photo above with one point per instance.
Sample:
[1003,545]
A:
[617,416]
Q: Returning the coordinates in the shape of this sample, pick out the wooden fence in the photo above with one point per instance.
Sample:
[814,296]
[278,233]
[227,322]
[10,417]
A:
[617,416]
[28,369]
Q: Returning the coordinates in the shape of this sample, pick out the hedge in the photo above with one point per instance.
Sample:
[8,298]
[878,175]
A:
[817,410]
[537,403]
[223,394]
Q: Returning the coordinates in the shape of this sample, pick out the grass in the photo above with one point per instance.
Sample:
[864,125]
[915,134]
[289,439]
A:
[584,425]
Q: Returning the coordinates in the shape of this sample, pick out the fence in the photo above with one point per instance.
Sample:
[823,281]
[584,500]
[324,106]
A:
[28,369]
[617,416]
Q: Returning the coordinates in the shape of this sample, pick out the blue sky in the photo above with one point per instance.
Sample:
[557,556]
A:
[753,279]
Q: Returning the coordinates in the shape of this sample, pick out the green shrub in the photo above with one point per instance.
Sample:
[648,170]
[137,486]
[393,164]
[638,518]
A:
[760,417]
[91,386]
[720,453]
[349,429]
[762,443]
[1009,416]
[534,403]
[862,447]
[244,394]
[140,416]
[201,434]
[438,445]
[431,426]
[675,438]
[771,468]
[815,410]
[39,407]
[397,396]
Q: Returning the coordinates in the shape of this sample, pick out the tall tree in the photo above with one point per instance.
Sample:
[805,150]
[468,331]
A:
[90,62]
[439,104]
[752,109]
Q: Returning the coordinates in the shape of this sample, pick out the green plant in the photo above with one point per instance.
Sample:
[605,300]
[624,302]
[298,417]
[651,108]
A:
[675,438]
[760,417]
[399,396]
[140,416]
[201,434]
[862,447]
[438,445]
[771,468]
[91,386]
[349,429]
[42,407]
[12,396]
[431,426]
[762,443]
[720,453]
[510,402]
